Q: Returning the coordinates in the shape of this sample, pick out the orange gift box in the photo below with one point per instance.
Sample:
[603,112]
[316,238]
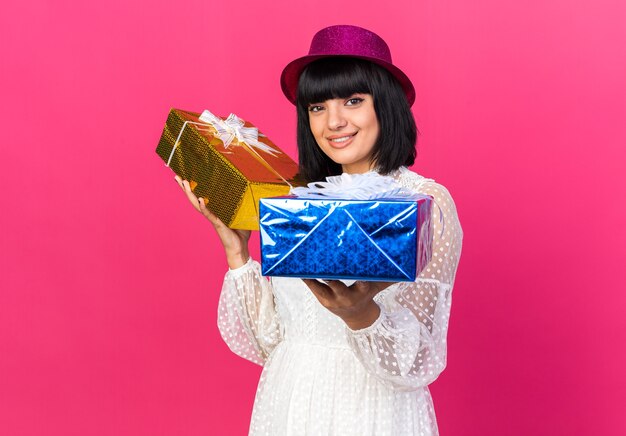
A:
[228,163]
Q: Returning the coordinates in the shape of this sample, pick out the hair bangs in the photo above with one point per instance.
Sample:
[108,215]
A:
[330,78]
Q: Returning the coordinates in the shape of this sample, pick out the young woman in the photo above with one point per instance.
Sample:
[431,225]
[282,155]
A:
[342,360]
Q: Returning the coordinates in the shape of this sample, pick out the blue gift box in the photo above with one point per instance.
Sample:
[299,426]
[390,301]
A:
[380,239]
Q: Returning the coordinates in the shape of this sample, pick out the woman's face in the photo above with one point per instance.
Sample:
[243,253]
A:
[346,130]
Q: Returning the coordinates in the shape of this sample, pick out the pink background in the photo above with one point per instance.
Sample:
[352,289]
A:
[109,280]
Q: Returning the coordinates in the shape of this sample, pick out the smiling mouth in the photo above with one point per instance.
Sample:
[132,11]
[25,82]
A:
[341,140]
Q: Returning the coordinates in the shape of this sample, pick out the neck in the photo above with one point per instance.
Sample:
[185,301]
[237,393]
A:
[358,168]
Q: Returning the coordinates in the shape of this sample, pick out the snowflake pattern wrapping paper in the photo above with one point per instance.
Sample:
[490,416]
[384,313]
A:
[378,239]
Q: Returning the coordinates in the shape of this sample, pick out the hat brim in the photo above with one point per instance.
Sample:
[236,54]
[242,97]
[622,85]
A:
[291,75]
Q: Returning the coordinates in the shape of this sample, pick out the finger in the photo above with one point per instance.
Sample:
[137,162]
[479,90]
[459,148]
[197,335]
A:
[369,288]
[208,214]
[319,289]
[381,286]
[190,195]
[337,286]
[179,180]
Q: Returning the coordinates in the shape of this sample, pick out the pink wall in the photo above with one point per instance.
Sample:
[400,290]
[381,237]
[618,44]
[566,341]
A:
[109,281]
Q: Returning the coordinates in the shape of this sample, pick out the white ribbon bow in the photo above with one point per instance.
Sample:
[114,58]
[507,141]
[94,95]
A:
[353,187]
[233,128]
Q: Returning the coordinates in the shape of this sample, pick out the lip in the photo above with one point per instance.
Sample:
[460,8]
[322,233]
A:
[339,145]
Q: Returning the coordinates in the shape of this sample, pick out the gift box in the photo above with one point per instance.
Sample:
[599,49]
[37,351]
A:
[378,239]
[227,162]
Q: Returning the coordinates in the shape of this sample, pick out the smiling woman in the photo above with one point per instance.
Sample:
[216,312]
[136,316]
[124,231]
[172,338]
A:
[345,360]
[346,131]
[334,82]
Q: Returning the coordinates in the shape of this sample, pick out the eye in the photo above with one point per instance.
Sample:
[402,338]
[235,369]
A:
[354,101]
[315,108]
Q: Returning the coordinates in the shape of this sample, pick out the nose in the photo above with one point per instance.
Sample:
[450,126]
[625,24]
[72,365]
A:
[336,119]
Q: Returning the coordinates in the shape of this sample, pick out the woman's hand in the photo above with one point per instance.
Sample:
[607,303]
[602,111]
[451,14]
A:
[354,304]
[235,242]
